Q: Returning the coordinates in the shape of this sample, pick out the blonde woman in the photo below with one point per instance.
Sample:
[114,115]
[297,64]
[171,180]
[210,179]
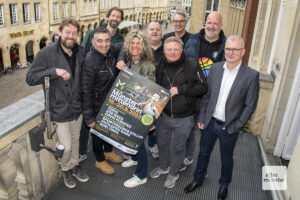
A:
[140,59]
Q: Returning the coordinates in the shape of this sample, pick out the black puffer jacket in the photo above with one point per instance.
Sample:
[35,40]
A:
[190,81]
[97,77]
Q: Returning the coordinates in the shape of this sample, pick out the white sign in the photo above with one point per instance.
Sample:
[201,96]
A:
[274,178]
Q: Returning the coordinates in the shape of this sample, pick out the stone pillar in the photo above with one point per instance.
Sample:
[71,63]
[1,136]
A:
[8,173]
[6,58]
[198,14]
[22,53]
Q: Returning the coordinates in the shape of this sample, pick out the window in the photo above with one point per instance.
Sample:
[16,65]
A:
[37,12]
[84,7]
[95,6]
[64,10]
[1,15]
[26,16]
[13,13]
[211,5]
[90,6]
[55,11]
[73,8]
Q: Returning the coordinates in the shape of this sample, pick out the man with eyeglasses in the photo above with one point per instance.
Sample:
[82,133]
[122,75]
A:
[232,96]
[185,82]
[179,23]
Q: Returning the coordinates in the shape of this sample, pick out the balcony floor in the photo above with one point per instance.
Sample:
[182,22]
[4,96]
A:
[246,182]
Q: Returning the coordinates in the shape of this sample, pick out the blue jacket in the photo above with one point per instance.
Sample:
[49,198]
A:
[192,46]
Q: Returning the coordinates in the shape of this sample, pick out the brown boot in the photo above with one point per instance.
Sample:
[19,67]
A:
[105,167]
[113,157]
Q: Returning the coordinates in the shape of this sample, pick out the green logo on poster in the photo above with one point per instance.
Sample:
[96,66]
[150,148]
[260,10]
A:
[147,119]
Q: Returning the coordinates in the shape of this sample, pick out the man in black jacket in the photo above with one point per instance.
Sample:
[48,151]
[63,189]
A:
[185,80]
[62,61]
[179,22]
[98,74]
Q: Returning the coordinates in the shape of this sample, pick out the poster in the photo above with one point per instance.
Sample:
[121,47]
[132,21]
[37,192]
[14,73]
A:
[130,109]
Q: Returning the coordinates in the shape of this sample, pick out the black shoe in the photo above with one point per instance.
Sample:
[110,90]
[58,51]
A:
[222,193]
[192,186]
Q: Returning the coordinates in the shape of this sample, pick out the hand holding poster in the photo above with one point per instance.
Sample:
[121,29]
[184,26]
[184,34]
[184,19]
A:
[130,110]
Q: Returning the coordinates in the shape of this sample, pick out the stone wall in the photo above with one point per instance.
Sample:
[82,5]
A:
[25,174]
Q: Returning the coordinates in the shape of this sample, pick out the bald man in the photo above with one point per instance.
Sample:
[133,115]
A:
[207,47]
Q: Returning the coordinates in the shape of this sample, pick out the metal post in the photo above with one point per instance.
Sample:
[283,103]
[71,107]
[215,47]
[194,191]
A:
[47,113]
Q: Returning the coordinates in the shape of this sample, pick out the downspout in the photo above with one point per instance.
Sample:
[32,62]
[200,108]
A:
[276,36]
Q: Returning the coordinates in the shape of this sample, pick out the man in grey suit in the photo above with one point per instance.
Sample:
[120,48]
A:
[232,96]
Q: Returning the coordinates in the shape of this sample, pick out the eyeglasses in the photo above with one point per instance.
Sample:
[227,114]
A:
[178,21]
[228,50]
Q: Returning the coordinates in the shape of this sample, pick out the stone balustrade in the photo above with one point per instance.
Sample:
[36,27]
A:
[25,174]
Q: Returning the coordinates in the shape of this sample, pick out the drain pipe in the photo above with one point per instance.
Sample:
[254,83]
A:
[276,194]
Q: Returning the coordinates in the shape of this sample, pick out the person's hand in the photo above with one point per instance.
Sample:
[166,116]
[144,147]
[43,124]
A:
[121,65]
[63,73]
[92,125]
[152,128]
[173,91]
[201,126]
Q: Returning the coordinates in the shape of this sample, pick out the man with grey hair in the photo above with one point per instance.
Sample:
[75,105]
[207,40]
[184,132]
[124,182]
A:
[232,96]
[185,81]
[179,22]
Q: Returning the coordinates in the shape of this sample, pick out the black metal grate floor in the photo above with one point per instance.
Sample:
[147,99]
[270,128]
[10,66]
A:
[246,183]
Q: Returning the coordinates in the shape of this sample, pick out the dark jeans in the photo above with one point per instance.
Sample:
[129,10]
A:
[84,138]
[142,158]
[227,143]
[98,149]
[98,144]
[152,138]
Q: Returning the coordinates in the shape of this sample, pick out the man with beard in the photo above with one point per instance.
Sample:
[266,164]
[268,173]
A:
[61,62]
[179,23]
[114,16]
[207,47]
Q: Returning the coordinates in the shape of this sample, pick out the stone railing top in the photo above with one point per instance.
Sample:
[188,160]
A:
[18,113]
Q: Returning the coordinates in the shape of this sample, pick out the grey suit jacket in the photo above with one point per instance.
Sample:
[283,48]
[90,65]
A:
[241,101]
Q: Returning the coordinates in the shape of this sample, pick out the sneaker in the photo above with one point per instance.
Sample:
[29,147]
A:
[129,163]
[154,151]
[134,182]
[105,167]
[79,174]
[170,181]
[188,161]
[182,167]
[156,172]
[69,179]
[82,157]
[113,157]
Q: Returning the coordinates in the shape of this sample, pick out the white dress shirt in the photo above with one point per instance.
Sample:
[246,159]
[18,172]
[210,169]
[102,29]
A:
[227,81]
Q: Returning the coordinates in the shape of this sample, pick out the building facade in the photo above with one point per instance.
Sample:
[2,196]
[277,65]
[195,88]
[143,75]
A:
[28,26]
[24,30]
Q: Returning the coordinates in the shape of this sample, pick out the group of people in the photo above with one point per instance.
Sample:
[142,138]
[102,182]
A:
[211,89]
